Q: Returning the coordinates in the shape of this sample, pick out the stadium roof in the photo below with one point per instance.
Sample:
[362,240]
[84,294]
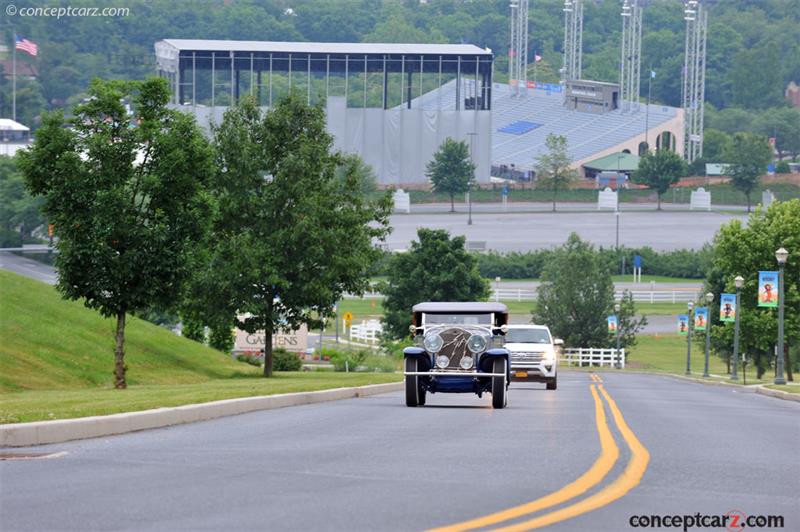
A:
[325,47]
[520,125]
[625,162]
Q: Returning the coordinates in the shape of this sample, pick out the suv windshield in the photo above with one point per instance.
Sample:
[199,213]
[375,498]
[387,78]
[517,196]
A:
[458,319]
[528,336]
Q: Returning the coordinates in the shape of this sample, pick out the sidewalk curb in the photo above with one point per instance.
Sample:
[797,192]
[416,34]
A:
[779,394]
[43,432]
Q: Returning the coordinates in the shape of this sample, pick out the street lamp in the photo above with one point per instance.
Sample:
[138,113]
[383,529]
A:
[617,308]
[739,282]
[781,255]
[471,179]
[709,299]
[497,289]
[690,306]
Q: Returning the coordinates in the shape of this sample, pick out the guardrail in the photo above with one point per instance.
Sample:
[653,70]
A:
[583,356]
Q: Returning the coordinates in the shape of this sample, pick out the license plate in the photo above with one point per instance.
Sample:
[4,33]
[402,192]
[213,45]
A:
[521,374]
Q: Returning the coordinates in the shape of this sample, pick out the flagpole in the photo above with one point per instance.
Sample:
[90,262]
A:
[14,79]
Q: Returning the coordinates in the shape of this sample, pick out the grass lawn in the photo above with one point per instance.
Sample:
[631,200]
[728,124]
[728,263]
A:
[38,405]
[791,388]
[644,285]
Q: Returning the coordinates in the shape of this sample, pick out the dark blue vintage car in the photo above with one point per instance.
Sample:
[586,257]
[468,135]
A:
[458,349]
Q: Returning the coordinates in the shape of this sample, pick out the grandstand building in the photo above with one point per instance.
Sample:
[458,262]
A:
[371,93]
[394,104]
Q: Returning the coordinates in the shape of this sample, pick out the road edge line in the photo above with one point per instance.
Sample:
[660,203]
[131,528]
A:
[63,430]
[609,455]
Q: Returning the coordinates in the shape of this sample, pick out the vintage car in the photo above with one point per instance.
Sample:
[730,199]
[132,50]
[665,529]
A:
[533,354]
[458,349]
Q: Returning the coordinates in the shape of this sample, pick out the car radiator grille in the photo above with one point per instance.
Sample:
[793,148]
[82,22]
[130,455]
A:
[455,346]
[527,357]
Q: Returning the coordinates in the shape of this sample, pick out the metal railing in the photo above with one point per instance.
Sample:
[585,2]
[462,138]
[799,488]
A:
[591,356]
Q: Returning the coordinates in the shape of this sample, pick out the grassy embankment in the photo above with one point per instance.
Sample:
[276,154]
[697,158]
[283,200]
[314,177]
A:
[56,361]
[791,388]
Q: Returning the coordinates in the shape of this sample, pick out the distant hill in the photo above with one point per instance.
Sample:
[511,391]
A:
[47,343]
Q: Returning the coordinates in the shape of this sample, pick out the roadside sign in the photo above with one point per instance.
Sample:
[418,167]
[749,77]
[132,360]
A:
[637,261]
[348,317]
[505,190]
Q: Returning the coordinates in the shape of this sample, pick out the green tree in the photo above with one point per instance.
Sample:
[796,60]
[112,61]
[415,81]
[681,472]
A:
[436,268]
[747,158]
[783,124]
[715,144]
[659,170]
[221,336]
[451,170]
[576,294]
[745,250]
[755,80]
[17,206]
[127,202]
[629,324]
[354,167]
[553,170]
[289,238]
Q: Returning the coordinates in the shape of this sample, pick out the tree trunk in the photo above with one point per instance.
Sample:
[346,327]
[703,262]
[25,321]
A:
[659,202]
[554,200]
[267,353]
[728,363]
[119,353]
[452,203]
[748,201]
[787,363]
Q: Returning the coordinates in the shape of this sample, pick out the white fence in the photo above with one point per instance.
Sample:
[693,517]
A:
[650,296]
[591,356]
[367,331]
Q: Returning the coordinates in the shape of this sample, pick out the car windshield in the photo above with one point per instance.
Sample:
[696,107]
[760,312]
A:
[458,319]
[528,336]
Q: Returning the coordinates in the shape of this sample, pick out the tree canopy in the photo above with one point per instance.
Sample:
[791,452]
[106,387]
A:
[290,238]
[747,158]
[745,250]
[576,295]
[126,194]
[659,170]
[451,170]
[436,268]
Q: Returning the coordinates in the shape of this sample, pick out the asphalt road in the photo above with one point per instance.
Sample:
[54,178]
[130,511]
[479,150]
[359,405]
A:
[28,267]
[372,464]
[516,231]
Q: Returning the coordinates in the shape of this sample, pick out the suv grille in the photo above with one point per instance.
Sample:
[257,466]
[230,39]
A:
[527,357]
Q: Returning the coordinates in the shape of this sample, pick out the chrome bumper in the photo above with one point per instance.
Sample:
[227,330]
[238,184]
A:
[452,374]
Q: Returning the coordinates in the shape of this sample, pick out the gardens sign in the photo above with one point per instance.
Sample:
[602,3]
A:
[246,342]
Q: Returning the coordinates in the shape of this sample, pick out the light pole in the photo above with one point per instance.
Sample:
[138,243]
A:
[739,282]
[781,255]
[472,178]
[617,308]
[469,201]
[709,300]
[497,289]
[690,306]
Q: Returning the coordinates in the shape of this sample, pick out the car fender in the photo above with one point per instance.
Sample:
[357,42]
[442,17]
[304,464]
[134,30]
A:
[414,352]
[496,352]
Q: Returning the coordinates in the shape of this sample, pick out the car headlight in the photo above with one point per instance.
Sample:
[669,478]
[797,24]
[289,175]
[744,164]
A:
[476,343]
[549,355]
[466,362]
[442,361]
[433,342]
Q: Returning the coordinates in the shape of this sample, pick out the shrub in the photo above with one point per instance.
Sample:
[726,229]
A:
[249,359]
[221,337]
[283,360]
[782,168]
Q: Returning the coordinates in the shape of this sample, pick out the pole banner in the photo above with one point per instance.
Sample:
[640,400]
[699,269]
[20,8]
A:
[767,289]
[700,318]
[683,324]
[727,307]
[612,324]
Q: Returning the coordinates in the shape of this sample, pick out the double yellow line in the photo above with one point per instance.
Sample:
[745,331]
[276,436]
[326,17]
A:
[609,454]
[595,378]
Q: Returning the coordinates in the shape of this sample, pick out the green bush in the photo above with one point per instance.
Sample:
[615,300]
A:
[221,337]
[782,167]
[249,359]
[283,360]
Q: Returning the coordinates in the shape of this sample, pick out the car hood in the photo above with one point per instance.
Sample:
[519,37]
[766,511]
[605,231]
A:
[528,348]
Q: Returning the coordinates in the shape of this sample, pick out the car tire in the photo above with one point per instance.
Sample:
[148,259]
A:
[412,383]
[552,384]
[499,383]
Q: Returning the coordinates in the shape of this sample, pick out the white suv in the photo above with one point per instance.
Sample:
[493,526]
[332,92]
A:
[533,354]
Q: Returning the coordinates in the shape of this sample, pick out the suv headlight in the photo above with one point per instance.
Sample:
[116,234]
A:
[433,342]
[549,355]
[476,343]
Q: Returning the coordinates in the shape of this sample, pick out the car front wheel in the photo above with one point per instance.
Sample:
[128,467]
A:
[499,384]
[415,393]
[552,384]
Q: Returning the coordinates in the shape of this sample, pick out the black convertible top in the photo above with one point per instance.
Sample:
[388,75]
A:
[460,307]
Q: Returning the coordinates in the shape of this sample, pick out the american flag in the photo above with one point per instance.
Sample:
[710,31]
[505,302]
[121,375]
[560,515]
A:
[27,46]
